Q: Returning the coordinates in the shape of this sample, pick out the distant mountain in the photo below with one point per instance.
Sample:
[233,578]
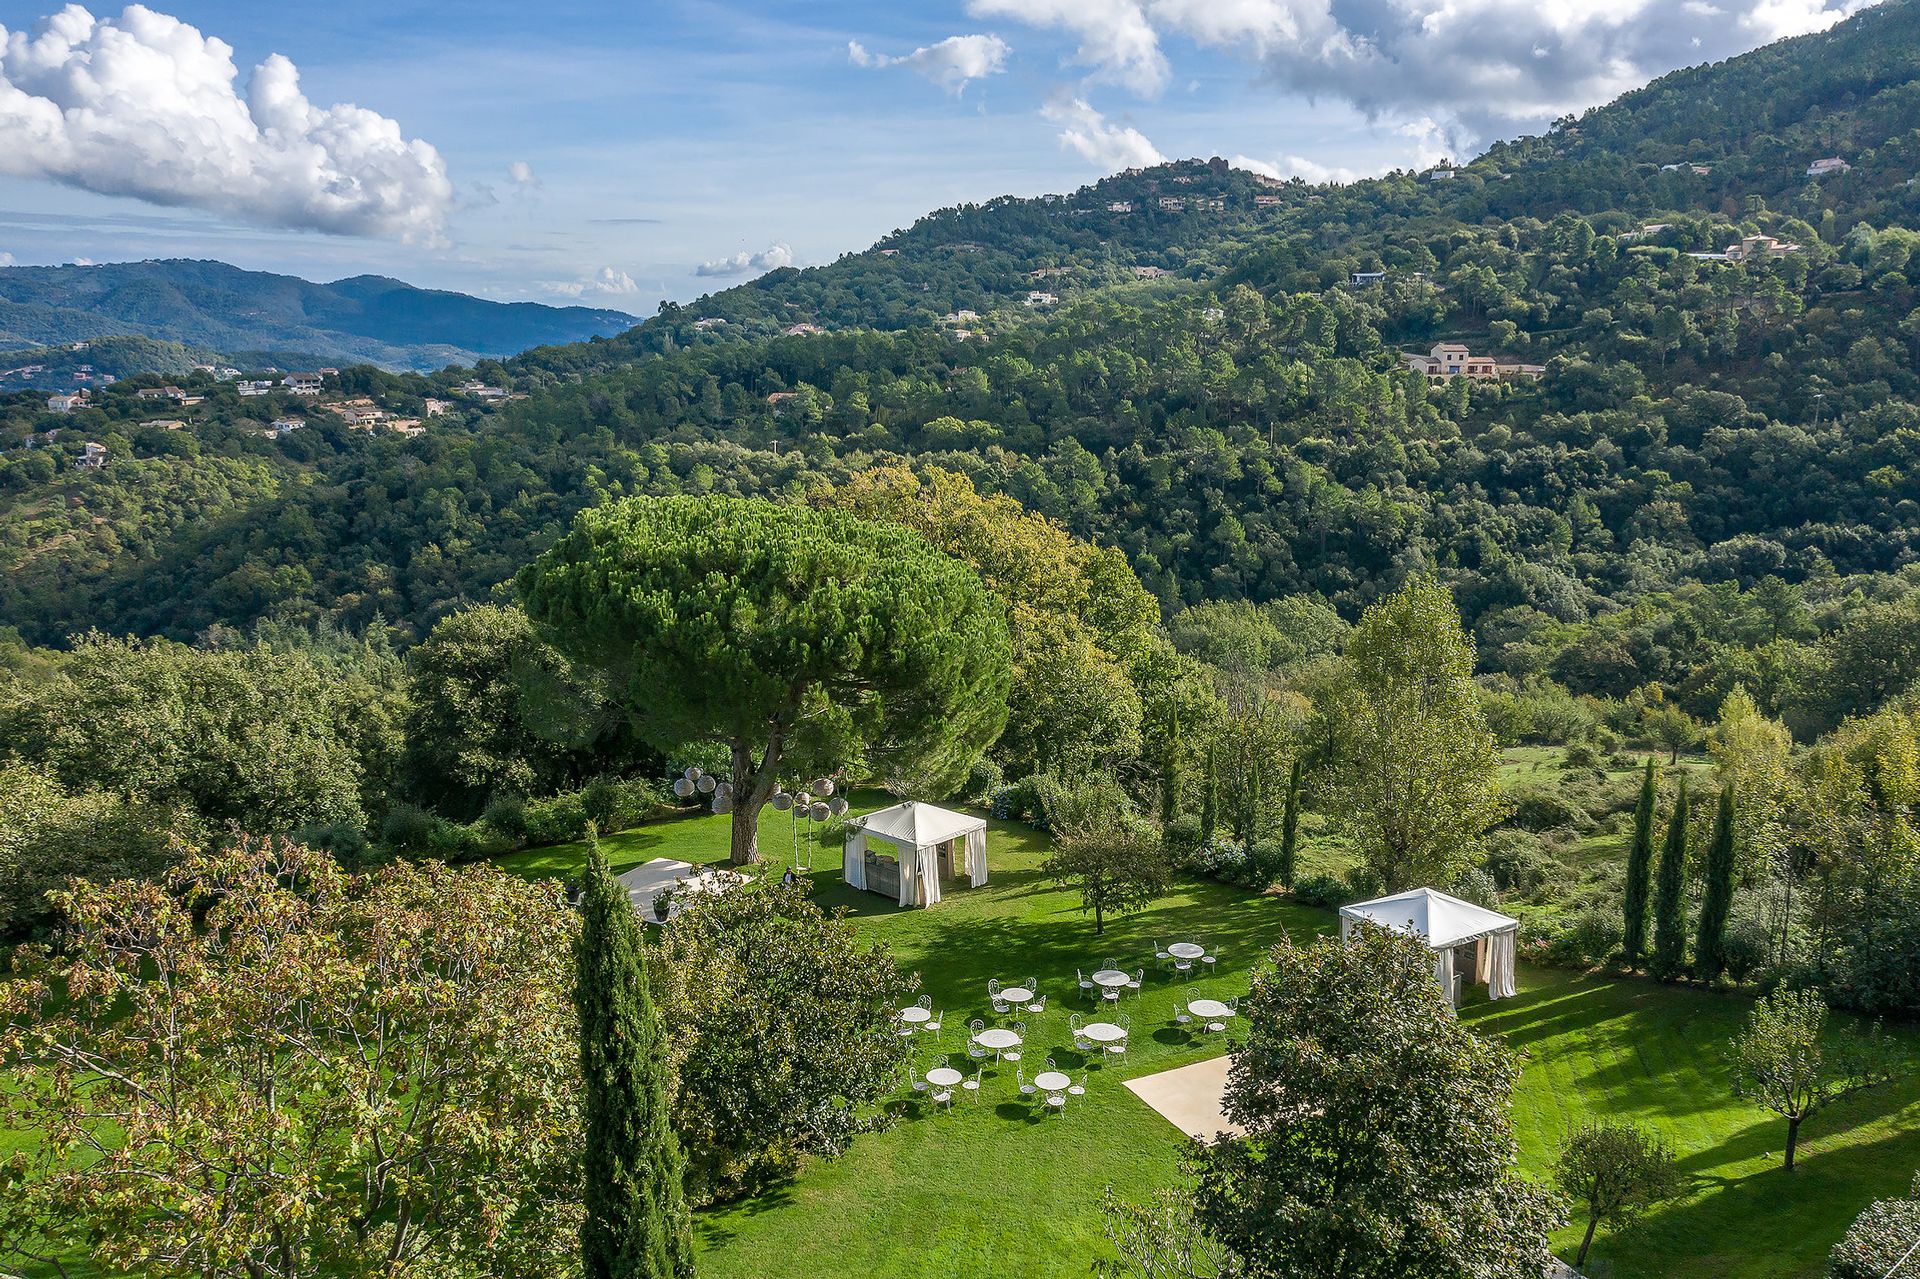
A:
[215,306]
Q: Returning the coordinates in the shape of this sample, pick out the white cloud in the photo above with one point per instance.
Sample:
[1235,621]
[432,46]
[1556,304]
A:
[520,173]
[144,105]
[1108,145]
[949,63]
[606,283]
[6,259]
[1479,66]
[1116,38]
[1297,166]
[744,263]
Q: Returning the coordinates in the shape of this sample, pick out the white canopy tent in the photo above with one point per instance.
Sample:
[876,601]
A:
[1446,922]
[919,833]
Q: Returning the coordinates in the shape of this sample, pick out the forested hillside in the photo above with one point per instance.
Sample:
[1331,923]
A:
[1203,385]
[244,313]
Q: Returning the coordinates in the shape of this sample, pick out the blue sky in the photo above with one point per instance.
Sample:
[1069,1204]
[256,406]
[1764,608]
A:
[605,152]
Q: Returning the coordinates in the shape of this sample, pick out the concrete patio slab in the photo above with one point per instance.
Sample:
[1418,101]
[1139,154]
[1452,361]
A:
[1189,1098]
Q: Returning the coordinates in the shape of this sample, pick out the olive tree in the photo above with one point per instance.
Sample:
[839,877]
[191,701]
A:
[790,636]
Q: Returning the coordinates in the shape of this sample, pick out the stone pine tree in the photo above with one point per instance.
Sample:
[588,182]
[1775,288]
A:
[1640,869]
[1209,800]
[797,640]
[1670,895]
[1716,899]
[636,1224]
[1290,828]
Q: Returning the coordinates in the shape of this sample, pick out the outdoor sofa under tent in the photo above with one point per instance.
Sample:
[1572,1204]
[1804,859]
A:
[929,844]
[1470,943]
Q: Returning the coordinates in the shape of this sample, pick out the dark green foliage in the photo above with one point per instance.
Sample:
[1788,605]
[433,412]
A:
[800,639]
[1879,1239]
[1371,1113]
[1670,896]
[1290,828]
[1716,901]
[1614,1172]
[1639,870]
[636,1224]
[1170,772]
[1209,799]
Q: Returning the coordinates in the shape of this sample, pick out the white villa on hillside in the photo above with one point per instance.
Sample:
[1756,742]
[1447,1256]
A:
[1449,360]
[1832,164]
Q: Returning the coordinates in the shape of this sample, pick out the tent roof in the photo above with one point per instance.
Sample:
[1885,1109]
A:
[1426,912]
[916,824]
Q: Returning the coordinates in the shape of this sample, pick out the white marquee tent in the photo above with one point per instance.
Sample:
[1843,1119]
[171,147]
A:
[920,835]
[1445,923]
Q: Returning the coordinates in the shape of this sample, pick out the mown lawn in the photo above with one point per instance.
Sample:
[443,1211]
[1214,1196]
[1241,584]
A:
[989,1190]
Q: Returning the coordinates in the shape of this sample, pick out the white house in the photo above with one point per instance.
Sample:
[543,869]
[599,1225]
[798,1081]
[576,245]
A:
[66,403]
[253,389]
[303,383]
[92,456]
[1831,164]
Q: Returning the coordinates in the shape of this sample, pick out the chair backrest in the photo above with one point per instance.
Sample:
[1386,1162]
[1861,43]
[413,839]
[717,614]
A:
[1234,1003]
[1020,1029]
[1020,1075]
[1073,1022]
[976,1025]
[1032,983]
[1140,975]
[1110,962]
[993,985]
[1050,1065]
[925,1001]
[1126,1021]
[1081,973]
[1039,1001]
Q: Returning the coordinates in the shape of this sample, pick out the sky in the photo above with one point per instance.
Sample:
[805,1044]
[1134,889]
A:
[620,154]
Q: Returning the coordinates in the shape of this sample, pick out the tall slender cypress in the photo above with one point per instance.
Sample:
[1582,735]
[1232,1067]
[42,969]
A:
[1209,800]
[1250,804]
[1290,827]
[1670,896]
[1170,774]
[1640,869]
[636,1224]
[1710,941]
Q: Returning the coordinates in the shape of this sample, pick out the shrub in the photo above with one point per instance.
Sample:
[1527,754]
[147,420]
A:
[407,828]
[1592,935]
[1746,947]
[1477,886]
[345,840]
[1019,802]
[555,819]
[1582,755]
[985,778]
[1364,882]
[1518,861]
[1263,864]
[1321,889]
[1220,859]
[1537,809]
[1182,837]
[507,814]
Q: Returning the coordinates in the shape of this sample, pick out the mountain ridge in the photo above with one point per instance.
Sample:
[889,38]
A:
[217,306]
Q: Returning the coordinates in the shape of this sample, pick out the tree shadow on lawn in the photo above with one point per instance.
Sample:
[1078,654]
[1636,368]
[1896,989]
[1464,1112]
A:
[1771,1221]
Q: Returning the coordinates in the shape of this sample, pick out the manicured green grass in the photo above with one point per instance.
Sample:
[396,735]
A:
[989,1190]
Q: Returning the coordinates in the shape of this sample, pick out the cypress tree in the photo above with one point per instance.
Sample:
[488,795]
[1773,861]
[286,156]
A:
[1670,896]
[1170,775]
[1709,943]
[1250,804]
[1290,827]
[636,1224]
[1209,800]
[1640,869]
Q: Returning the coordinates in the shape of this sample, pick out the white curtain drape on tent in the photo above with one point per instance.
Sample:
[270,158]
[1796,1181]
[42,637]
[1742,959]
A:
[1483,960]
[854,863]
[909,877]
[1500,980]
[928,855]
[1443,971]
[977,855]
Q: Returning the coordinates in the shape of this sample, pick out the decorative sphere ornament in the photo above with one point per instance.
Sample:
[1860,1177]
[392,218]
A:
[803,799]
[682,787]
[781,801]
[823,786]
[722,803]
[837,806]
[818,812]
[724,788]
[691,772]
[706,784]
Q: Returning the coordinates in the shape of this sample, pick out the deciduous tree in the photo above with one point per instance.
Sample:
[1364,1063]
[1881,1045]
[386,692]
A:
[1378,1131]
[1612,1173]
[1785,1062]
[1101,849]
[1418,781]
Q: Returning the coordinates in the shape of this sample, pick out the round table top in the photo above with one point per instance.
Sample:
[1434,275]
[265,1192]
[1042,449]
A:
[1111,977]
[1209,1009]
[943,1076]
[1103,1032]
[1186,950]
[997,1038]
[915,1013]
[1015,995]
[1050,1081]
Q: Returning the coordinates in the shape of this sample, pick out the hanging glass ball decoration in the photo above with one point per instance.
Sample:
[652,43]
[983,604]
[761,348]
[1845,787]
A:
[837,806]
[819,811]
[682,787]
[781,801]
[706,784]
[723,803]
